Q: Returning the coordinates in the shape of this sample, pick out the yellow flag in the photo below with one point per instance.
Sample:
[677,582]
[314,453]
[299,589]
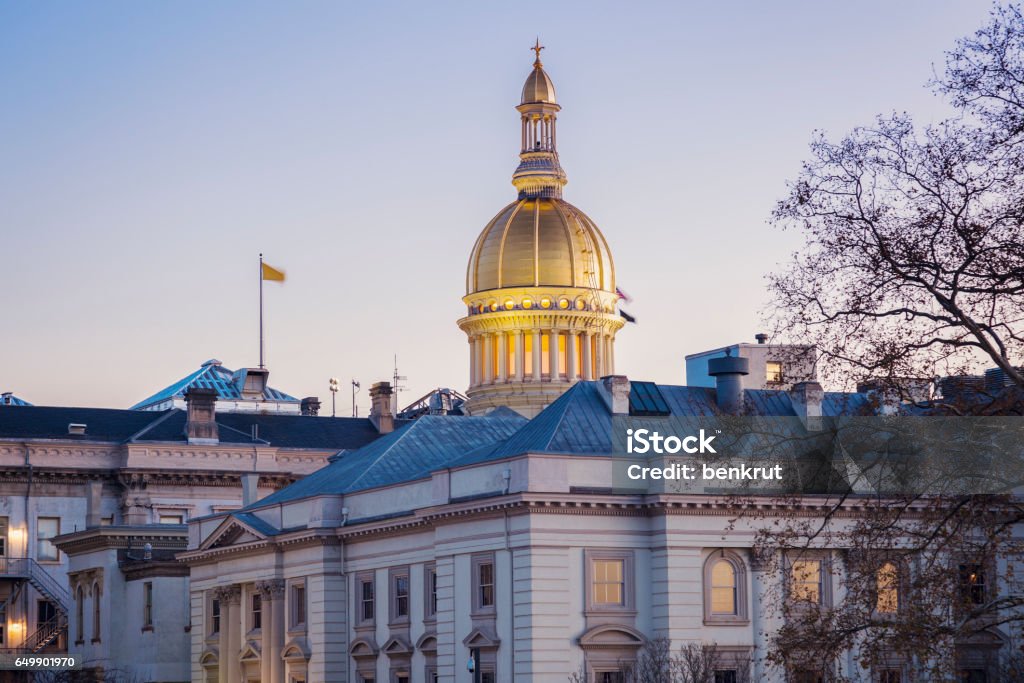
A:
[270,273]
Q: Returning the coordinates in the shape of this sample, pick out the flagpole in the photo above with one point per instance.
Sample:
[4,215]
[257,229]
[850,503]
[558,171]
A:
[261,310]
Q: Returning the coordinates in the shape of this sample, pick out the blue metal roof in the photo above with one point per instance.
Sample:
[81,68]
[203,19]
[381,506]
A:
[211,375]
[407,454]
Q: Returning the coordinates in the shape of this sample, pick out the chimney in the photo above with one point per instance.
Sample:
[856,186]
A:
[615,392]
[250,488]
[761,338]
[310,406]
[201,422]
[380,407]
[728,372]
[807,398]
[93,499]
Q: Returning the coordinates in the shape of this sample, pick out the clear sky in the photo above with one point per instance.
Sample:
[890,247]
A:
[150,151]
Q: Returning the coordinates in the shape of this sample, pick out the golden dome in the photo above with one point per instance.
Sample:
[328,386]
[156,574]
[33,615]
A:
[540,241]
[538,87]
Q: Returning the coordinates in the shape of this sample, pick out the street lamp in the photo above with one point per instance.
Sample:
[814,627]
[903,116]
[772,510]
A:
[355,390]
[334,393]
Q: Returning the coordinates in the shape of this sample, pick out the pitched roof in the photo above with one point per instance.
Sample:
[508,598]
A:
[7,398]
[211,375]
[121,426]
[407,454]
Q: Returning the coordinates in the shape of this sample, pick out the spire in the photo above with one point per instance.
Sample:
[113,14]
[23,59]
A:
[537,64]
[539,173]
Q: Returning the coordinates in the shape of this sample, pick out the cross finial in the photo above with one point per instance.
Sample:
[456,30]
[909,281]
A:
[537,48]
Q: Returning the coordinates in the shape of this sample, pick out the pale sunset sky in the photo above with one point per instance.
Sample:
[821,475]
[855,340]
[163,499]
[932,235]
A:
[150,151]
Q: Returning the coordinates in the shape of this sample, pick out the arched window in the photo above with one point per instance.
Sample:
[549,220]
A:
[725,589]
[80,615]
[96,595]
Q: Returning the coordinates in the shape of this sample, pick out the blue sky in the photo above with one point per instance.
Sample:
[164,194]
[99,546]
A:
[150,151]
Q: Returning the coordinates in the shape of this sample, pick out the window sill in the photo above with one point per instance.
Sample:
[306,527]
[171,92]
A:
[400,622]
[299,629]
[147,629]
[605,611]
[726,621]
[79,642]
[94,641]
[483,612]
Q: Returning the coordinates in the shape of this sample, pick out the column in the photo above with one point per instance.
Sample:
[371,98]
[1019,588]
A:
[611,355]
[502,357]
[762,622]
[588,366]
[553,353]
[486,376]
[570,355]
[599,352]
[536,355]
[272,638]
[228,668]
[472,360]
[520,355]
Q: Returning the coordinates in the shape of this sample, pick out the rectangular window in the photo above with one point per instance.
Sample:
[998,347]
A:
[973,676]
[147,604]
[298,599]
[256,611]
[486,677]
[610,677]
[545,354]
[563,367]
[609,582]
[725,676]
[3,624]
[366,599]
[172,519]
[890,676]
[214,616]
[430,591]
[773,372]
[495,354]
[887,588]
[510,355]
[400,595]
[577,349]
[485,584]
[972,584]
[528,353]
[805,577]
[47,528]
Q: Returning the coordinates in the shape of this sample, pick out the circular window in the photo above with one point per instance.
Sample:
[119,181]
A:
[563,303]
[494,306]
[545,302]
[580,304]
[479,308]
[527,303]
[509,304]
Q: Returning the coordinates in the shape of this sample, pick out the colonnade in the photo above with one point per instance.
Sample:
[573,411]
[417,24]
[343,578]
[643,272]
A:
[540,355]
[235,626]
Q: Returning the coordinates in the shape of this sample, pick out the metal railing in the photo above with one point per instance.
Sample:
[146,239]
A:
[27,568]
[47,632]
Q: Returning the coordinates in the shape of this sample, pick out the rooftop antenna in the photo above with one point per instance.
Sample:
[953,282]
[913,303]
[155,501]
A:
[355,390]
[396,387]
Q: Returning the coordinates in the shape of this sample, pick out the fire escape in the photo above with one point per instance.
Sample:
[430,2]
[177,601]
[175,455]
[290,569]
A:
[25,571]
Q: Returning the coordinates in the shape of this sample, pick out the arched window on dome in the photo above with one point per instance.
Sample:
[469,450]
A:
[725,589]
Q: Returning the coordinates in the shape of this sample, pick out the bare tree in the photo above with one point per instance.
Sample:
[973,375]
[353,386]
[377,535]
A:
[913,262]
[912,267]
[692,662]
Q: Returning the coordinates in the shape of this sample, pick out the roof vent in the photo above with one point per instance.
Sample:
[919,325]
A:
[76,428]
[761,338]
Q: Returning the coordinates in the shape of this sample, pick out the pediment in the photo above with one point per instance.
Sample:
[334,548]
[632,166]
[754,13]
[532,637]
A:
[296,650]
[231,532]
[427,643]
[482,638]
[397,647]
[611,635]
[209,657]
[363,647]
[250,653]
